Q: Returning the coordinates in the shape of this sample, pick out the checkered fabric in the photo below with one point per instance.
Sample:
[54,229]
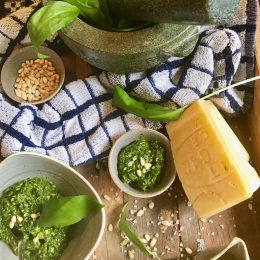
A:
[222,56]
[10,6]
[79,124]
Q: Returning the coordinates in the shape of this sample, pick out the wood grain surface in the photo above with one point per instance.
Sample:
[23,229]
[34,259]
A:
[186,230]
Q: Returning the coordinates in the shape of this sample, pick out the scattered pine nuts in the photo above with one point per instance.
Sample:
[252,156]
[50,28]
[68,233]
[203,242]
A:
[140,213]
[110,228]
[188,250]
[37,79]
[153,242]
[124,242]
[131,254]
[106,197]
[147,237]
[165,223]
[151,205]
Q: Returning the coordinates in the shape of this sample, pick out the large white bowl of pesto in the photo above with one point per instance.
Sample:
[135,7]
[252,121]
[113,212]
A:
[26,180]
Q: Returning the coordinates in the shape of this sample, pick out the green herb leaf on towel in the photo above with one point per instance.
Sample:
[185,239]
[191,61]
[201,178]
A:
[132,237]
[157,112]
[146,110]
[65,211]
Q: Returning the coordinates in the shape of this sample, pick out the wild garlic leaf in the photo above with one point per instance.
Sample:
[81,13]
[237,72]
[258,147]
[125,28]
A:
[95,12]
[146,110]
[49,19]
[157,112]
[131,236]
[42,56]
[65,211]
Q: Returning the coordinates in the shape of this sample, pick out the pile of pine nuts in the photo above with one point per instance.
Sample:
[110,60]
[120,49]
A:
[37,79]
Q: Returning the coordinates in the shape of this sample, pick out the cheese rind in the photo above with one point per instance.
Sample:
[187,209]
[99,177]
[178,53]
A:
[211,162]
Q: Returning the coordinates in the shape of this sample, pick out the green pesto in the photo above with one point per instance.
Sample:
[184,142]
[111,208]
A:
[23,199]
[140,163]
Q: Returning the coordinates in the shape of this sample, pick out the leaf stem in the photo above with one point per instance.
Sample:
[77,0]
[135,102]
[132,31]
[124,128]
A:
[230,86]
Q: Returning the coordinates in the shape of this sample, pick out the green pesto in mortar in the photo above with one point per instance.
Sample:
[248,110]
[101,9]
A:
[140,163]
[24,199]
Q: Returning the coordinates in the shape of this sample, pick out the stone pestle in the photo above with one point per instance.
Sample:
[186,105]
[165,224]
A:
[176,11]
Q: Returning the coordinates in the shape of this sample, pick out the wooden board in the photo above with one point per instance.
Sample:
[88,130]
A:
[187,230]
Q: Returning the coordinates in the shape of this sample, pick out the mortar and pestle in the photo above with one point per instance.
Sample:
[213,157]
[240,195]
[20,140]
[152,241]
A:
[173,31]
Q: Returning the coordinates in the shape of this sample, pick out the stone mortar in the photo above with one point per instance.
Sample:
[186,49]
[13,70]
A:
[123,52]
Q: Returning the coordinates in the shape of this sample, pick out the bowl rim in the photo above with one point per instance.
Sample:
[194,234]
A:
[103,214]
[24,49]
[122,34]
[124,187]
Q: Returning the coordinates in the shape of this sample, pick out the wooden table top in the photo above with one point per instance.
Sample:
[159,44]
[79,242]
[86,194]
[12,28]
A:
[187,231]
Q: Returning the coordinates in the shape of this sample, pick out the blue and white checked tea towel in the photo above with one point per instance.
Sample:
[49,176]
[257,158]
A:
[79,124]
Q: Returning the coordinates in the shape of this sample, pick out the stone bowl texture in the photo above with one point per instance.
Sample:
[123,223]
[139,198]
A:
[176,11]
[86,234]
[123,52]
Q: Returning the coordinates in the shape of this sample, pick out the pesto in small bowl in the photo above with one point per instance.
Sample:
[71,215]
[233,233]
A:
[140,164]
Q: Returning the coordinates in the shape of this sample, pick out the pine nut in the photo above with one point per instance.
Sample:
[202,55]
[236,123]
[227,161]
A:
[139,173]
[13,219]
[11,225]
[188,250]
[165,223]
[36,79]
[131,254]
[44,79]
[124,242]
[20,219]
[18,93]
[110,228]
[106,197]
[139,213]
[147,237]
[24,96]
[142,161]
[143,240]
[153,242]
[151,205]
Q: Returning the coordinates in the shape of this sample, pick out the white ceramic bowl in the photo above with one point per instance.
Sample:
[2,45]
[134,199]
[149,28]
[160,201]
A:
[10,69]
[86,234]
[168,174]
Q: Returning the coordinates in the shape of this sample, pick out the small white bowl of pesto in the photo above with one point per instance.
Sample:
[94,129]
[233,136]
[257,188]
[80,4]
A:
[141,163]
[35,189]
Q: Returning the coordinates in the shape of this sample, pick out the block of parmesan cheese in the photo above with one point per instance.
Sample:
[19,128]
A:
[212,164]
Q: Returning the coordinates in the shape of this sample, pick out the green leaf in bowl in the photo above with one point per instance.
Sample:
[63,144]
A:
[65,211]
